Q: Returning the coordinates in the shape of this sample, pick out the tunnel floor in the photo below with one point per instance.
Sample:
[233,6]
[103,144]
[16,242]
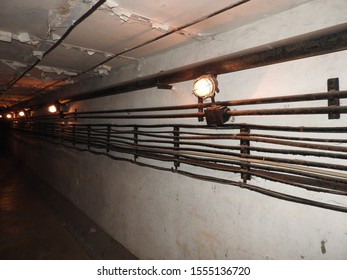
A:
[36,222]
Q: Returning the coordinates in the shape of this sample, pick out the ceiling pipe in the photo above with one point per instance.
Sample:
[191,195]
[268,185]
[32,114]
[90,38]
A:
[303,46]
[320,42]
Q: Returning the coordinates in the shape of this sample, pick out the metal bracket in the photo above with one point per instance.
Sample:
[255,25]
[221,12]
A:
[200,109]
[73,135]
[108,138]
[333,86]
[136,140]
[88,143]
[164,86]
[176,133]
[244,152]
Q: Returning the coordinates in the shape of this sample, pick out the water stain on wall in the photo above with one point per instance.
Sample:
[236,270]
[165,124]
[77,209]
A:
[322,246]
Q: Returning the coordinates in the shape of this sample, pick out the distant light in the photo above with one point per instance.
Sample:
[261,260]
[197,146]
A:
[0,116]
[52,109]
[21,114]
[9,116]
[205,86]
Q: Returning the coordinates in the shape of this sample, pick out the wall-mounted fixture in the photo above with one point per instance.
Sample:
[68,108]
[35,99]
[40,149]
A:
[57,108]
[205,87]
[21,114]
[52,109]
[9,116]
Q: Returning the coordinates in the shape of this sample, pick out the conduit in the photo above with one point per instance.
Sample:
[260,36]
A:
[317,43]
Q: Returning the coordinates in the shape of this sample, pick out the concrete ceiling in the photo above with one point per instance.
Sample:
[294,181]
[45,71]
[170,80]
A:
[29,28]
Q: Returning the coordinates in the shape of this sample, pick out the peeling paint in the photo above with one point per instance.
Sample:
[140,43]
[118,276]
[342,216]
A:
[61,17]
[5,36]
[24,37]
[15,65]
[123,14]
[160,27]
[143,19]
[59,71]
[55,36]
[103,69]
[111,3]
[88,51]
[38,54]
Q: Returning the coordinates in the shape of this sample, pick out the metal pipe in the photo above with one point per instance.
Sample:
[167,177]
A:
[253,101]
[307,45]
[258,112]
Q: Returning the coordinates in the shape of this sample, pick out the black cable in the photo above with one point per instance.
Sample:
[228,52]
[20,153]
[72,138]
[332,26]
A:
[56,44]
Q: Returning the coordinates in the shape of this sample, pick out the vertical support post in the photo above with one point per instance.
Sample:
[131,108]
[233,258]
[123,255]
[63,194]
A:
[44,130]
[244,152]
[108,138]
[333,86]
[88,129]
[136,140]
[73,134]
[176,134]
[62,133]
[200,109]
[52,131]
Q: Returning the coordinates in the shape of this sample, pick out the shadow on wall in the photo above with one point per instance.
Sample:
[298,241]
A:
[4,137]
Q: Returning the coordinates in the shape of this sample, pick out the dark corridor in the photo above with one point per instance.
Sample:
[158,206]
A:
[36,222]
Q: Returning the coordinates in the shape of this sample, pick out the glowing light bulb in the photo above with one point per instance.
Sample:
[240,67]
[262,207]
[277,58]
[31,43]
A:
[205,86]
[9,116]
[52,109]
[21,114]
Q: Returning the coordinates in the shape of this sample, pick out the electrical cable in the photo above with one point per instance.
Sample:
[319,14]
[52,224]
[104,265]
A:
[267,192]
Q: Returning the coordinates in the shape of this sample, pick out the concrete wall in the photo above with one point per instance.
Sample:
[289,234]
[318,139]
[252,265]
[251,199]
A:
[161,215]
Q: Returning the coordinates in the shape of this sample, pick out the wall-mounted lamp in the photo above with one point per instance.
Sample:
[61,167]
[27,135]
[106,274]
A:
[52,109]
[204,87]
[21,114]
[9,116]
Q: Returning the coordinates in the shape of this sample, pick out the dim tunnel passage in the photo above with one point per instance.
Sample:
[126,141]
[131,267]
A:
[36,222]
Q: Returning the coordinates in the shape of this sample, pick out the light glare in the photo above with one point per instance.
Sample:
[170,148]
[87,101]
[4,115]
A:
[204,87]
[9,116]
[21,114]
[52,109]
